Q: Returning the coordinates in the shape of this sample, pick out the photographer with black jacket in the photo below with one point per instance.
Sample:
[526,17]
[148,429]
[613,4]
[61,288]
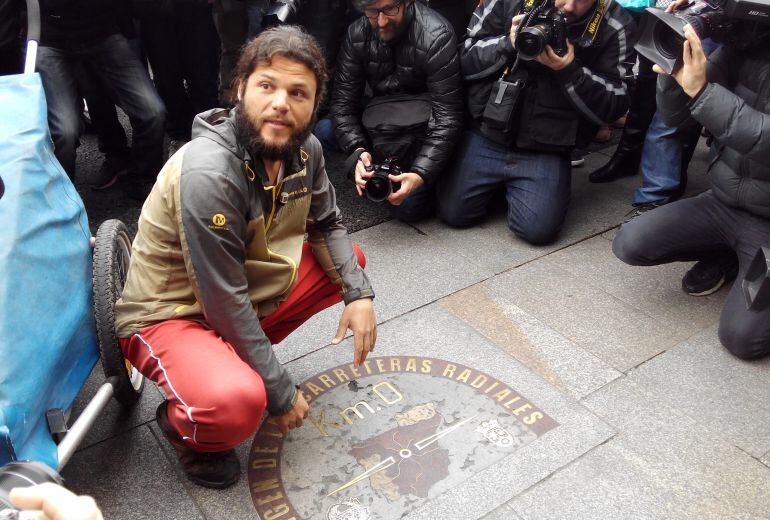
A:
[397,94]
[729,94]
[546,104]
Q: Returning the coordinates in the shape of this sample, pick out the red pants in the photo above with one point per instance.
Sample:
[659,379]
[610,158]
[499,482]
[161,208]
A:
[215,399]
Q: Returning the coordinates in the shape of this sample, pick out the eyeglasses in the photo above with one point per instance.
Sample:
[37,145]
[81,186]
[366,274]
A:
[388,10]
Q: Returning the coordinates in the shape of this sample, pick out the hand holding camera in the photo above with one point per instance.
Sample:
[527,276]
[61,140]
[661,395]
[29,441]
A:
[691,76]
[384,181]
[543,39]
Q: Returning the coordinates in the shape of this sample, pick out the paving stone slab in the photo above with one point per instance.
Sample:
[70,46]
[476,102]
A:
[409,269]
[130,477]
[115,418]
[504,512]
[550,355]
[615,332]
[702,380]
[491,246]
[437,417]
[662,465]
[233,503]
[766,459]
[654,290]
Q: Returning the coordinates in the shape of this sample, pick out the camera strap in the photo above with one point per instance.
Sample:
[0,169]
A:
[592,27]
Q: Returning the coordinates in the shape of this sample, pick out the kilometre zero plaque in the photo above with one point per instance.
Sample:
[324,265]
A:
[384,438]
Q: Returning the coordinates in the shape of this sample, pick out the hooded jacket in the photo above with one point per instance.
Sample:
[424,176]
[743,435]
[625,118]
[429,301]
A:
[735,107]
[219,245]
[421,59]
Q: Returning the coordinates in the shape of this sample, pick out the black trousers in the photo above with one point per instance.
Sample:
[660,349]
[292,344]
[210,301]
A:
[694,229]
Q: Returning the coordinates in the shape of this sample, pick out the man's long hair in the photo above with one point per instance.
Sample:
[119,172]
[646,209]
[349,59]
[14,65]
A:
[287,41]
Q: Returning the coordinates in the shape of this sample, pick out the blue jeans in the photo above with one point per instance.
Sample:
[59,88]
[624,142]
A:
[115,63]
[666,154]
[324,131]
[537,188]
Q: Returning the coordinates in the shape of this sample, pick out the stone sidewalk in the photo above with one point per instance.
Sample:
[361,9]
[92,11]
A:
[509,382]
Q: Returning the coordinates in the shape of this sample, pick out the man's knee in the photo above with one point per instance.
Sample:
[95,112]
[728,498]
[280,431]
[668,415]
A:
[537,234]
[454,215]
[628,246]
[239,407]
[742,341]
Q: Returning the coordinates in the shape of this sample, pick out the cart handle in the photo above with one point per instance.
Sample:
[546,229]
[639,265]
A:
[33,35]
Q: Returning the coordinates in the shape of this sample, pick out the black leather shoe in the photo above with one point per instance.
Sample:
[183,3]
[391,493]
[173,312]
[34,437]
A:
[620,165]
[216,470]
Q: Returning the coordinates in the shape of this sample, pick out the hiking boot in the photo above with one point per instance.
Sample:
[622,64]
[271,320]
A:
[644,207]
[216,470]
[108,173]
[708,276]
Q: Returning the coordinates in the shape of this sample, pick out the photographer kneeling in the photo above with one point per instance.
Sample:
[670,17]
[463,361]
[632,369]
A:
[397,103]
[542,77]
[729,94]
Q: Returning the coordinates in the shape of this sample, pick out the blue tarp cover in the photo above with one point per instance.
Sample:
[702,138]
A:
[47,335]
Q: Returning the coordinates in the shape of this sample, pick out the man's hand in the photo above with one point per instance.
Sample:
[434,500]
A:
[553,61]
[676,4]
[409,182]
[691,76]
[515,21]
[358,316]
[53,502]
[293,419]
[364,162]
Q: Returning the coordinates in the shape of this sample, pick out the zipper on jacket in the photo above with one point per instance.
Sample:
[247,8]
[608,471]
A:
[292,263]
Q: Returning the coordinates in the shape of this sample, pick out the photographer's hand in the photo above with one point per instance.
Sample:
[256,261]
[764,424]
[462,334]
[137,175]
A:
[691,76]
[53,502]
[409,182]
[364,161]
[553,61]
[676,4]
[359,317]
[515,21]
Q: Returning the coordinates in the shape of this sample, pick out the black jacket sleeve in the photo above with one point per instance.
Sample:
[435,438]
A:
[442,72]
[600,92]
[348,92]
[214,257]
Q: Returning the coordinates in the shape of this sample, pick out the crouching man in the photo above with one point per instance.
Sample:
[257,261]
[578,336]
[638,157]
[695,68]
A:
[533,100]
[220,270]
[729,94]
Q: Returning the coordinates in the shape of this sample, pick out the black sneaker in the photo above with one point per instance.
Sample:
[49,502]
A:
[644,207]
[108,173]
[216,470]
[708,276]
[578,158]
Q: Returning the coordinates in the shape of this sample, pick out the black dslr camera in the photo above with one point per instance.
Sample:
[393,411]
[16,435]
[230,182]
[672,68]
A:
[737,23]
[379,186]
[543,25]
[22,474]
[280,12]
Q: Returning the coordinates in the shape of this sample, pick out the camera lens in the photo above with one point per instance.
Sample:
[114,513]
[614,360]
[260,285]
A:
[23,474]
[378,188]
[668,42]
[531,41]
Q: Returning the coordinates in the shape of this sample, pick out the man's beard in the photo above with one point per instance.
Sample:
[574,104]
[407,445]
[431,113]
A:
[248,134]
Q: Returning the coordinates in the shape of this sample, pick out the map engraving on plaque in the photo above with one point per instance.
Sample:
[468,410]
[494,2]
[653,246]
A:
[383,438]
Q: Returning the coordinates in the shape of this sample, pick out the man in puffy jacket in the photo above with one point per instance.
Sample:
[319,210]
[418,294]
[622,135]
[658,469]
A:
[522,147]
[399,47]
[729,94]
[220,270]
